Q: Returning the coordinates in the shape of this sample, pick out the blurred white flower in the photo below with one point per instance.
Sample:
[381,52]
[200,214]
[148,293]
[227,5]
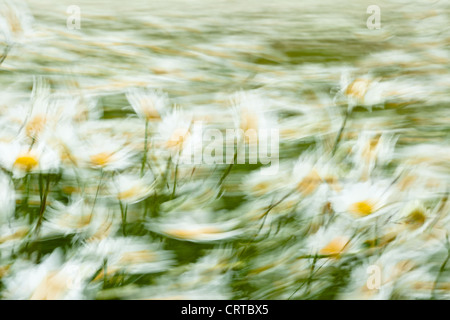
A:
[332,241]
[174,131]
[130,189]
[80,219]
[364,91]
[364,200]
[195,226]
[15,21]
[20,158]
[148,104]
[251,116]
[53,279]
[372,149]
[12,235]
[131,255]
[107,153]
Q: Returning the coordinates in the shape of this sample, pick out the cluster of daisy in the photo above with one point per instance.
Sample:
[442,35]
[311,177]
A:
[97,202]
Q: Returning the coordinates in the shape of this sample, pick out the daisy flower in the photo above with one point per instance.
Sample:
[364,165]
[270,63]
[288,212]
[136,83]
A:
[194,226]
[104,152]
[12,234]
[79,219]
[174,131]
[192,195]
[21,159]
[130,189]
[251,116]
[15,21]
[363,200]
[130,255]
[402,270]
[148,104]
[371,149]
[52,279]
[331,241]
[365,91]
[258,184]
[208,278]
[306,174]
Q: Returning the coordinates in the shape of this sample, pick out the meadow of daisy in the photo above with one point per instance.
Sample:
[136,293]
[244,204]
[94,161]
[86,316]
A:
[333,183]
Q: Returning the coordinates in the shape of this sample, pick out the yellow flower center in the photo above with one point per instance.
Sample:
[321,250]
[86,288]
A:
[358,88]
[335,246]
[369,151]
[187,234]
[149,110]
[102,232]
[26,161]
[53,287]
[178,138]
[130,193]
[74,222]
[14,22]
[141,256]
[19,234]
[35,125]
[362,208]
[262,188]
[333,182]
[101,159]
[249,121]
[4,271]
[110,271]
[416,218]
[309,183]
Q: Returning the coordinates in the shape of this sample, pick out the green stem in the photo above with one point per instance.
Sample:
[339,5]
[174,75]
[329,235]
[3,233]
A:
[98,190]
[166,173]
[310,277]
[144,159]
[227,172]
[175,178]
[123,213]
[26,196]
[43,203]
[338,137]
[5,53]
[441,271]
[104,272]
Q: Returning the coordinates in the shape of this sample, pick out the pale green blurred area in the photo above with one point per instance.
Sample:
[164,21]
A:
[200,52]
[193,48]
